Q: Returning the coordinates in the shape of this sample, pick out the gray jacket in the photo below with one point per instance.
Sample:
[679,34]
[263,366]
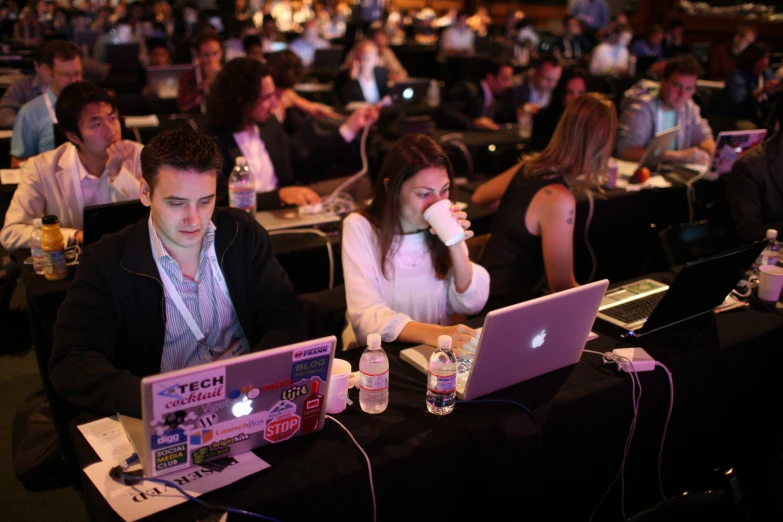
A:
[20,92]
[636,127]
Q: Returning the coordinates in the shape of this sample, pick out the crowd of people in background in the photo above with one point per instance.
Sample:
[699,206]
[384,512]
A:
[246,64]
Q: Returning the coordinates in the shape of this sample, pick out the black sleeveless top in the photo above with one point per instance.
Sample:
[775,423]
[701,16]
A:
[513,256]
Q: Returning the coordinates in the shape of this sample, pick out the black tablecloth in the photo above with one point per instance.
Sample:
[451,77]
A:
[483,461]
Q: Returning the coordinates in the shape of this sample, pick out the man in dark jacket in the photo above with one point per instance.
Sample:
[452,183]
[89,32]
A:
[755,188]
[187,286]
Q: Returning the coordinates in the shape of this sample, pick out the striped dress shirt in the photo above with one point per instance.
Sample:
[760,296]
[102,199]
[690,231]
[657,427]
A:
[212,310]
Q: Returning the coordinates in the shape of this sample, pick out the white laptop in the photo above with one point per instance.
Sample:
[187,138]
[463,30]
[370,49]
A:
[728,147]
[523,341]
[653,155]
[292,218]
[209,412]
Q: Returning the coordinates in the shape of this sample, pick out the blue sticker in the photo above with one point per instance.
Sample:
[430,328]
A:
[310,368]
[234,394]
[168,438]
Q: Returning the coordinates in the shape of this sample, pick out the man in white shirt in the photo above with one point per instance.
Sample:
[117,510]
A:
[612,57]
[308,43]
[95,167]
[459,39]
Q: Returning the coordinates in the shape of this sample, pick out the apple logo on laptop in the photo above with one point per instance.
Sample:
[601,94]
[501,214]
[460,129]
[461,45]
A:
[539,339]
[243,408]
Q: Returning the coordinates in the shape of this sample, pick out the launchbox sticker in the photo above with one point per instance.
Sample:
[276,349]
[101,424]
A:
[189,391]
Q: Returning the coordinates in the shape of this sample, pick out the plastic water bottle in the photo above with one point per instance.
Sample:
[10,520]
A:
[242,187]
[39,265]
[771,252]
[433,94]
[632,66]
[374,377]
[525,120]
[442,378]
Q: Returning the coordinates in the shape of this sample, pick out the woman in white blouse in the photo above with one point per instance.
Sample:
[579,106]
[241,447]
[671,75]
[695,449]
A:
[401,281]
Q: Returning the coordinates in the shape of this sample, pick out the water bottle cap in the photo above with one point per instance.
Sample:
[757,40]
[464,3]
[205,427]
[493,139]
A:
[772,233]
[49,220]
[37,223]
[241,161]
[444,341]
[374,340]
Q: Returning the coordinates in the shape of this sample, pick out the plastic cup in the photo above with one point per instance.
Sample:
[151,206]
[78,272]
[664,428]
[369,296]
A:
[338,386]
[440,218]
[770,282]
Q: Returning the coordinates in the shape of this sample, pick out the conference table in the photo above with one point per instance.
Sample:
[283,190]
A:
[485,460]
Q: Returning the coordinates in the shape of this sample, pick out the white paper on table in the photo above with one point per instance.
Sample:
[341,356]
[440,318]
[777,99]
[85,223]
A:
[142,121]
[10,176]
[652,182]
[6,134]
[109,440]
[625,168]
[144,499]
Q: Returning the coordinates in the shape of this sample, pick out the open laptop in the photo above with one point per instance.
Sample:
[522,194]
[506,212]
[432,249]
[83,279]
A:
[164,80]
[663,141]
[523,341]
[729,146]
[328,59]
[645,306]
[292,218]
[412,91]
[100,220]
[123,55]
[223,408]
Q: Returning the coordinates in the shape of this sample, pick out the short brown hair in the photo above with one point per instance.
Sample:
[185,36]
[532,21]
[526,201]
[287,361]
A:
[62,50]
[286,68]
[684,64]
[183,148]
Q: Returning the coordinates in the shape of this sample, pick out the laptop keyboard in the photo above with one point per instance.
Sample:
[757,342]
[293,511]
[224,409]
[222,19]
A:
[464,365]
[635,310]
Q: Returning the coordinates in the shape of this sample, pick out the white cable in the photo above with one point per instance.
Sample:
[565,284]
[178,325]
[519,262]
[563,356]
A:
[317,232]
[339,202]
[593,259]
[665,426]
[690,192]
[369,466]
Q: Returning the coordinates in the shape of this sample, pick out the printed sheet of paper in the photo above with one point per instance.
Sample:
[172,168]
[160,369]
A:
[107,437]
[10,176]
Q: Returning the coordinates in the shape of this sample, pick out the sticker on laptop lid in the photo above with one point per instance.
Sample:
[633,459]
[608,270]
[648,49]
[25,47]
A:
[307,369]
[168,438]
[309,353]
[189,391]
[282,428]
[171,458]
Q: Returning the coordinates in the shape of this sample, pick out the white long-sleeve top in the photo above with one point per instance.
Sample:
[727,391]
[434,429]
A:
[412,292]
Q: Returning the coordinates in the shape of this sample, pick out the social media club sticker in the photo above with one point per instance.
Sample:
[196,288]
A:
[307,369]
[171,458]
[189,391]
[168,438]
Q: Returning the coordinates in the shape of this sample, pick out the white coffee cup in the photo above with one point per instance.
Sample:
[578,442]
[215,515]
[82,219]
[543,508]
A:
[770,282]
[441,219]
[337,396]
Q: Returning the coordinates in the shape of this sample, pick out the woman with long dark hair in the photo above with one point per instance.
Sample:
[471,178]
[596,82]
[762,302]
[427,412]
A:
[401,280]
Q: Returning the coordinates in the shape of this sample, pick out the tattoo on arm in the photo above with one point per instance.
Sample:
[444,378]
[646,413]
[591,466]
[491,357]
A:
[570,220]
[548,192]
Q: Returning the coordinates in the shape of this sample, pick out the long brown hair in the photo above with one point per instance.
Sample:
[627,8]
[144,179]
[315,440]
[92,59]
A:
[581,144]
[409,156]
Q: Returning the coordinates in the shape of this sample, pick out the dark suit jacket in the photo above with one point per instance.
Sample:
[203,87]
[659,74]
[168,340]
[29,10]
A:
[755,190]
[291,158]
[579,48]
[348,90]
[465,102]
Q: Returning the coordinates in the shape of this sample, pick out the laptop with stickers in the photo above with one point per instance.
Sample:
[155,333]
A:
[205,413]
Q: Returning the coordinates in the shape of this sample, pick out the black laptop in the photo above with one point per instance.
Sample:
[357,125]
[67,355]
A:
[100,220]
[328,59]
[645,306]
[412,91]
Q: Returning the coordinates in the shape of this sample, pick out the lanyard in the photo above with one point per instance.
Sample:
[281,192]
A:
[176,298]
[49,107]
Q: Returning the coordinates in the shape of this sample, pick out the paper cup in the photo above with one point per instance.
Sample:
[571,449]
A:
[338,386]
[440,218]
[770,282]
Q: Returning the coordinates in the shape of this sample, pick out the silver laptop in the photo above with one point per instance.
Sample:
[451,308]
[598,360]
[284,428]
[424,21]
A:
[205,413]
[164,80]
[523,341]
[291,218]
[653,155]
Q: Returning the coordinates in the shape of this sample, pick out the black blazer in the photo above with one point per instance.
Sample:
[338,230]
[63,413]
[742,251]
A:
[293,159]
[110,329]
[348,90]
[579,47]
[465,102]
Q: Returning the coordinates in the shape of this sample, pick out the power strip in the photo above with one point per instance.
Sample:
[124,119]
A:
[637,358]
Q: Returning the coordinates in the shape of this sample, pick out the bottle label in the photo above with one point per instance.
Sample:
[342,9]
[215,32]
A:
[442,383]
[241,198]
[37,253]
[374,382]
[55,264]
